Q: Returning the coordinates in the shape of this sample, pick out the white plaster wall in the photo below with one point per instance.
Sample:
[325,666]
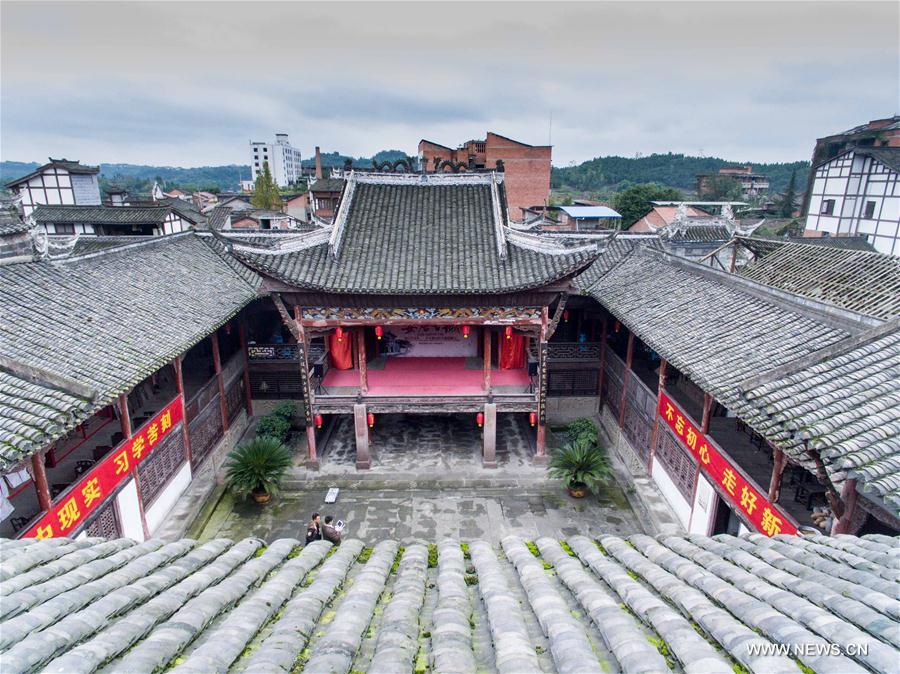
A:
[156,513]
[680,506]
[704,507]
[130,512]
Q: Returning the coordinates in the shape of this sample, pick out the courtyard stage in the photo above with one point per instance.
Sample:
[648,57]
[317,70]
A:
[423,376]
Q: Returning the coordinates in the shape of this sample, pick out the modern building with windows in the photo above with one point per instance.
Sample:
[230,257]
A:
[857,193]
[283,159]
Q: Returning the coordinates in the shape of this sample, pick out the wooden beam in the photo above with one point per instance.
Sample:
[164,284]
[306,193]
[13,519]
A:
[217,365]
[778,463]
[312,459]
[707,412]
[40,481]
[361,360]
[292,325]
[124,415]
[486,337]
[127,431]
[629,358]
[560,307]
[602,362]
[660,389]
[179,386]
[842,524]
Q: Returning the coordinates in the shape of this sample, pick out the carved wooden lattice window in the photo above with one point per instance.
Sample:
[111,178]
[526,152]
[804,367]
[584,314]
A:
[205,431]
[275,384]
[612,390]
[638,429]
[162,464]
[106,523]
[234,398]
[679,465]
[582,382]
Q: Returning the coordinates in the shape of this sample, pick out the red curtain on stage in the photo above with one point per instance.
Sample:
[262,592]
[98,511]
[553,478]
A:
[512,352]
[340,353]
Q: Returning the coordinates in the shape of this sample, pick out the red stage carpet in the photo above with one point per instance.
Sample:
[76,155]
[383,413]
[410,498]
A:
[426,376]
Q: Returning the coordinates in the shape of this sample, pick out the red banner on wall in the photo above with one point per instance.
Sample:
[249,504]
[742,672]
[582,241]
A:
[757,509]
[80,500]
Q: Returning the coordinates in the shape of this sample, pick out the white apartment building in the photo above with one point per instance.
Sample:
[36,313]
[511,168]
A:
[60,182]
[283,160]
[858,193]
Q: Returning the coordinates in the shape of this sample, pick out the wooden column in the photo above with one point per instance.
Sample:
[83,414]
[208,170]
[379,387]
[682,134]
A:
[848,496]
[660,388]
[486,337]
[540,451]
[312,459]
[777,471]
[361,360]
[363,459]
[125,420]
[248,394]
[217,364]
[179,385]
[629,358]
[40,481]
[602,362]
[489,454]
[707,411]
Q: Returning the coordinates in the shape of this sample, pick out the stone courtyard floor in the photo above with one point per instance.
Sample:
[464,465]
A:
[427,482]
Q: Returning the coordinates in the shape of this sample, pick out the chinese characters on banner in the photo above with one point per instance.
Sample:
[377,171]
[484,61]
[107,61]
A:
[99,482]
[765,516]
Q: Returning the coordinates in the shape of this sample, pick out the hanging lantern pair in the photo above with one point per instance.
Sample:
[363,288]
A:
[379,332]
[370,418]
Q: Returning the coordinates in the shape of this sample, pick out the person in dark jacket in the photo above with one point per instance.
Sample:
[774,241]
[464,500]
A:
[330,532]
[314,530]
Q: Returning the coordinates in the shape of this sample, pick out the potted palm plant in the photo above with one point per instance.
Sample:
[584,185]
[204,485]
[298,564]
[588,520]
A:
[256,468]
[582,466]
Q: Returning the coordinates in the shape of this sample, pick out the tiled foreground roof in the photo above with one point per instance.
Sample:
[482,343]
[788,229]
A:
[106,321]
[695,604]
[843,402]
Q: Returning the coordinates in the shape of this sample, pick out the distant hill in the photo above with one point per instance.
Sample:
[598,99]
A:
[673,170]
[603,174]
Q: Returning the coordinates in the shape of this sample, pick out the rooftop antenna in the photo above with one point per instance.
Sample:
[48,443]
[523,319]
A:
[550,129]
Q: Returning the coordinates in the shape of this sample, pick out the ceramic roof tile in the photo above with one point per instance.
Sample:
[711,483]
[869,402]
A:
[688,603]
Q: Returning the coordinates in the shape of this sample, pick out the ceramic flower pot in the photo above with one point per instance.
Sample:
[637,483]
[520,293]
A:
[577,490]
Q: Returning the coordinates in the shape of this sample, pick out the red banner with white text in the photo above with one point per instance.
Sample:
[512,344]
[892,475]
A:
[755,507]
[76,503]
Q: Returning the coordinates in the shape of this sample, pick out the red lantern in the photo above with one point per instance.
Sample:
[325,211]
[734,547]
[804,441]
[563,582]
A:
[379,331]
[532,418]
[371,419]
[339,333]
[508,332]
[465,331]
[566,315]
[616,326]
[318,421]
[479,419]
[228,328]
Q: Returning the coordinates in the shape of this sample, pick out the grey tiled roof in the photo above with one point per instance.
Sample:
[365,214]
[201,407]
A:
[11,222]
[843,402]
[689,603]
[102,215]
[865,282]
[107,320]
[889,156]
[218,217]
[68,165]
[327,185]
[700,233]
[419,239]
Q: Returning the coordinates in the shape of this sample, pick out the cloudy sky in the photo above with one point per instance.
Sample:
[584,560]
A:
[189,84]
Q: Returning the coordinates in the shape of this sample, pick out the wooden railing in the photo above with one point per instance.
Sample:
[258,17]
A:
[587,351]
[269,352]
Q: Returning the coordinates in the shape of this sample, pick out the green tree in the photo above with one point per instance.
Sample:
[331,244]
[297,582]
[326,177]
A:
[633,203]
[265,191]
[721,188]
[786,205]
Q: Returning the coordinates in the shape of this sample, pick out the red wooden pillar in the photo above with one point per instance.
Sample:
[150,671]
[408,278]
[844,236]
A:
[629,358]
[660,388]
[848,496]
[125,420]
[540,453]
[707,411]
[312,459]
[40,481]
[217,364]
[777,471]
[248,394]
[486,336]
[179,386]
[361,360]
[602,362]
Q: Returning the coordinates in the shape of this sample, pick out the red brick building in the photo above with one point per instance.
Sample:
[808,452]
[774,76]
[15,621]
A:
[527,167]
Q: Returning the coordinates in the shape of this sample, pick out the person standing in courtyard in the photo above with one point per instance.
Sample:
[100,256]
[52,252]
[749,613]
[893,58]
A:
[331,532]
[314,530]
